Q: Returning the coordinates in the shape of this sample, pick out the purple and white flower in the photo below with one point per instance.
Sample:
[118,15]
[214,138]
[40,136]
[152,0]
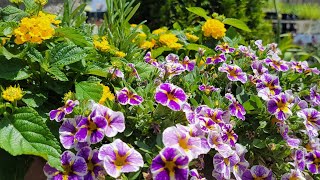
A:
[125,96]
[216,59]
[257,172]
[148,59]
[293,174]
[224,47]
[247,52]
[299,66]
[207,88]
[276,63]
[172,58]
[170,164]
[215,141]
[273,49]
[268,85]
[313,162]
[60,113]
[195,175]
[74,167]
[236,109]
[259,44]
[299,159]
[311,119]
[284,131]
[170,95]
[224,165]
[234,72]
[94,164]
[217,116]
[243,164]
[280,105]
[228,135]
[119,158]
[115,72]
[314,96]
[188,64]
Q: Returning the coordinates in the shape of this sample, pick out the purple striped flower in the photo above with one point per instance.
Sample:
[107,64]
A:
[299,66]
[216,59]
[195,175]
[313,161]
[94,164]
[299,159]
[148,59]
[170,95]
[258,68]
[74,167]
[115,72]
[183,141]
[243,164]
[257,172]
[134,71]
[224,165]
[224,47]
[91,129]
[119,158]
[293,175]
[114,119]
[312,70]
[208,117]
[234,73]
[314,96]
[172,58]
[60,113]
[125,96]
[311,119]
[228,135]
[284,131]
[276,63]
[268,85]
[215,141]
[188,64]
[207,88]
[247,52]
[171,69]
[280,106]
[259,44]
[273,49]
[190,114]
[236,109]
[170,164]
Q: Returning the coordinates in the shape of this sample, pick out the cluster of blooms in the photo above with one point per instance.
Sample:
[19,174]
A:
[80,132]
[12,94]
[36,29]
[104,46]
[214,28]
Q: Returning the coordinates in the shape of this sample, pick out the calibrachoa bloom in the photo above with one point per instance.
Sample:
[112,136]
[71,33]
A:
[243,164]
[228,135]
[259,45]
[234,72]
[224,165]
[188,64]
[170,164]
[171,69]
[125,96]
[170,95]
[94,164]
[299,66]
[276,63]
[216,59]
[273,49]
[215,141]
[311,119]
[284,131]
[195,175]
[236,109]
[224,47]
[299,159]
[115,72]
[74,167]
[172,58]
[314,96]
[257,172]
[12,93]
[248,52]
[313,162]
[119,158]
[60,113]
[280,106]
[148,59]
[268,85]
[293,175]
[177,137]
[214,28]
[207,88]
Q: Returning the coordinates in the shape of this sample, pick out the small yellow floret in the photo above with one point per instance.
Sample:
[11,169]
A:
[12,93]
[106,94]
[120,54]
[168,39]
[214,28]
[102,45]
[147,44]
[192,37]
[160,31]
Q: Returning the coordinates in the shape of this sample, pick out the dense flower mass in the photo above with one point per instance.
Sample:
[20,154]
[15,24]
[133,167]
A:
[36,29]
[214,28]
[12,93]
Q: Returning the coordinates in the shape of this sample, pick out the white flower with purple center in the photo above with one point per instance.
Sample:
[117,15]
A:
[125,96]
[224,165]
[280,106]
[170,95]
[224,47]
[60,113]
[134,71]
[91,129]
[276,63]
[234,72]
[293,175]
[268,85]
[74,167]
[188,64]
[170,164]
[311,119]
[172,58]
[235,108]
[273,49]
[313,161]
[94,164]
[67,132]
[299,66]
[207,88]
[243,164]
[259,44]
[148,59]
[114,119]
[216,59]
[228,135]
[247,52]
[257,172]
[115,72]
[119,158]
[183,141]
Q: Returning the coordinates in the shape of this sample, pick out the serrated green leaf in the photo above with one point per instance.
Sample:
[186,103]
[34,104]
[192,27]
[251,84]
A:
[9,55]
[88,90]
[198,11]
[31,6]
[55,71]
[65,54]
[73,35]
[11,13]
[6,28]
[35,55]
[236,23]
[13,70]
[24,132]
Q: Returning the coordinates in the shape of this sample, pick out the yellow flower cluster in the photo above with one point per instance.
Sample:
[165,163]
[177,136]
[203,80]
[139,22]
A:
[214,28]
[192,37]
[106,94]
[68,95]
[160,31]
[120,54]
[148,44]
[102,45]
[12,93]
[36,29]
[41,2]
[170,40]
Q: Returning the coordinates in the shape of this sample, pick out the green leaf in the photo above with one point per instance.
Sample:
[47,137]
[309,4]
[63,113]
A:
[157,52]
[88,90]
[24,132]
[6,28]
[258,143]
[96,70]
[34,100]
[65,54]
[196,47]
[31,6]
[9,55]
[55,71]
[248,106]
[198,11]
[35,55]
[236,23]
[132,12]
[207,101]
[73,35]
[13,70]
[11,13]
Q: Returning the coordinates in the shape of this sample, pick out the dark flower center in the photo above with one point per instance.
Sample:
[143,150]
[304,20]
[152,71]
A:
[120,160]
[67,169]
[92,126]
[90,166]
[170,165]
[183,142]
[171,96]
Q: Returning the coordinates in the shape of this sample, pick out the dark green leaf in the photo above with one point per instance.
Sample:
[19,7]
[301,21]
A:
[198,11]
[11,13]
[55,71]
[258,143]
[13,70]
[65,54]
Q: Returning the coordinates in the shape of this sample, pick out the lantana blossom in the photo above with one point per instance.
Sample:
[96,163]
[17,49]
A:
[234,72]
[170,95]
[60,113]
[125,96]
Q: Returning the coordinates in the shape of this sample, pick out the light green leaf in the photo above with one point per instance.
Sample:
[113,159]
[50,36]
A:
[157,52]
[55,71]
[198,11]
[72,34]
[6,28]
[13,70]
[88,90]
[11,13]
[34,100]
[236,23]
[196,47]
[24,132]
[31,6]
[96,70]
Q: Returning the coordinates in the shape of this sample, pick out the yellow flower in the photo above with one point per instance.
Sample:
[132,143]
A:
[160,31]
[36,29]
[102,45]
[148,44]
[12,93]
[16,1]
[192,37]
[68,95]
[120,54]
[214,28]
[41,2]
[106,94]
[142,35]
[168,39]
[175,46]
